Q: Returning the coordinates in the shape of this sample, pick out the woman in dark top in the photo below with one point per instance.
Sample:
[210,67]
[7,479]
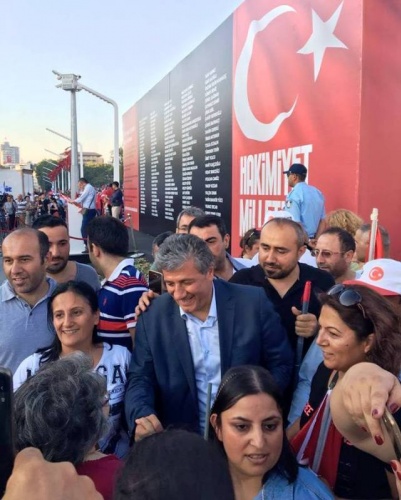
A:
[62,411]
[356,325]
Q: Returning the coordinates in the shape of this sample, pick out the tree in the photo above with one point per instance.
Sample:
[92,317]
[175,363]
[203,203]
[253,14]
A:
[98,175]
[41,173]
[120,162]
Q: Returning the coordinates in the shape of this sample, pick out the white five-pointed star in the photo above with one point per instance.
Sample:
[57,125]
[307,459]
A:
[322,38]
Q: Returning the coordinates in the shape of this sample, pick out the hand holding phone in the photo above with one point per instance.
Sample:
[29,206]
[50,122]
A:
[156,282]
[7,450]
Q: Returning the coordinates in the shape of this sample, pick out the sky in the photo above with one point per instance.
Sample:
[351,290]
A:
[121,49]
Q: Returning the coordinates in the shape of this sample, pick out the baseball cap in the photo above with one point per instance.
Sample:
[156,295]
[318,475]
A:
[382,275]
[296,168]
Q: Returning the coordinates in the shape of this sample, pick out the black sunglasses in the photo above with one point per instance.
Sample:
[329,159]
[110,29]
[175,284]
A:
[347,297]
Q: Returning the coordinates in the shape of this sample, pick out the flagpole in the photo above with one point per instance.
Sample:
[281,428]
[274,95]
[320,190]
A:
[374,217]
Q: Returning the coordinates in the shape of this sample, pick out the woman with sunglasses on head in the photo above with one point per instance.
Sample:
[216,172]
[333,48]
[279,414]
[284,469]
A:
[250,243]
[74,313]
[356,325]
[246,422]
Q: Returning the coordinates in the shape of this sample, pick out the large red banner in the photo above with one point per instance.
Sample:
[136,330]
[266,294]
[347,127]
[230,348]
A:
[313,81]
[296,98]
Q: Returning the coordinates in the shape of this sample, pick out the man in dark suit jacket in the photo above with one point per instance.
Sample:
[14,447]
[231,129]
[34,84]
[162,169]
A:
[168,375]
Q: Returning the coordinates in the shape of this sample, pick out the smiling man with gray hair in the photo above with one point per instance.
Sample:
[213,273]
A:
[192,335]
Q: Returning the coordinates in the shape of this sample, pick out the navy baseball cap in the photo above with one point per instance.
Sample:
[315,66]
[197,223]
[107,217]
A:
[296,168]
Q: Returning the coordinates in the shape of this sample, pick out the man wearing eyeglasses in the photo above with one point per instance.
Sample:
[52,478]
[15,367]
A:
[305,202]
[334,252]
[185,217]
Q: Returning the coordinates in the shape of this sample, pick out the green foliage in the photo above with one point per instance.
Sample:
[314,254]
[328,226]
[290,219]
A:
[98,175]
[41,172]
[143,265]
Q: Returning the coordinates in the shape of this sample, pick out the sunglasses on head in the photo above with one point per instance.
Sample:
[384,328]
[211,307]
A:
[255,233]
[347,297]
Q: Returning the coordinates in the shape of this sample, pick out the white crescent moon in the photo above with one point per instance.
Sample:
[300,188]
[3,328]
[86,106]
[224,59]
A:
[251,127]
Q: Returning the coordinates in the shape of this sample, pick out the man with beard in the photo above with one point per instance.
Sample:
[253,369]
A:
[334,252]
[24,296]
[59,267]
[282,244]
[212,230]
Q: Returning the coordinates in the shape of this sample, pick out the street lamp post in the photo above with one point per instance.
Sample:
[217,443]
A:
[116,166]
[69,82]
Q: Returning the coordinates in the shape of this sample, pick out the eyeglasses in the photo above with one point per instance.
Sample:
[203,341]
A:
[326,254]
[347,297]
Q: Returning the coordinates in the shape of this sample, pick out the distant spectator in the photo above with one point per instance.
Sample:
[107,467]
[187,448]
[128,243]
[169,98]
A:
[250,243]
[345,219]
[29,211]
[105,194]
[53,207]
[362,238]
[157,242]
[87,201]
[10,207]
[116,200]
[43,205]
[186,216]
[21,209]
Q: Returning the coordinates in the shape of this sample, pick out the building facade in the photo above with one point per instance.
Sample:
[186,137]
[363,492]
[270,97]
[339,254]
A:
[9,154]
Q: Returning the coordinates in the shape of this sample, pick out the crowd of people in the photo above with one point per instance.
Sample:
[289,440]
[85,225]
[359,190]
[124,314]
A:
[24,210]
[253,377]
[21,211]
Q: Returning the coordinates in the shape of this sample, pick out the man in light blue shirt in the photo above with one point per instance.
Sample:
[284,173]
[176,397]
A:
[205,349]
[192,334]
[304,202]
[23,297]
[87,200]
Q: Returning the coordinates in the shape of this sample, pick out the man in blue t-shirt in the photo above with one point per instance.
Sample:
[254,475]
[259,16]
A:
[304,202]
